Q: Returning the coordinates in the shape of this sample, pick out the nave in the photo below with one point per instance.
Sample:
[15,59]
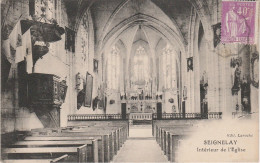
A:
[92,141]
[140,146]
[86,140]
[82,79]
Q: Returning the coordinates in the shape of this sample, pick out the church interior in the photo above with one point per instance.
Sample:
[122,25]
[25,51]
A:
[90,80]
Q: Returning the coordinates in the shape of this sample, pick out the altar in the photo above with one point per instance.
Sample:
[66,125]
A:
[141,106]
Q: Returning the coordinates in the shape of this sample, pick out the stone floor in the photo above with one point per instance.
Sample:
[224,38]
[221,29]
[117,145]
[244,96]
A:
[140,131]
[140,147]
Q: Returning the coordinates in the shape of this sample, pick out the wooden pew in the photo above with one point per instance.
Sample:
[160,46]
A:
[75,154]
[158,131]
[168,133]
[118,136]
[100,139]
[123,125]
[121,132]
[174,144]
[63,158]
[113,139]
[117,123]
[161,131]
[113,142]
[166,137]
[106,138]
[169,137]
[92,146]
[160,123]
[112,135]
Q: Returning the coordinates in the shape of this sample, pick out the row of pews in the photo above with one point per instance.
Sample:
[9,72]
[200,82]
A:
[170,133]
[94,141]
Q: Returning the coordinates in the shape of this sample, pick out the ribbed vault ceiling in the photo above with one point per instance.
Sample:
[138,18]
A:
[120,19]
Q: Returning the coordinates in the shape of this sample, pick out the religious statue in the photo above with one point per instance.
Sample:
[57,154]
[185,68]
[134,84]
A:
[78,82]
[236,85]
[173,108]
[245,95]
[95,103]
[203,95]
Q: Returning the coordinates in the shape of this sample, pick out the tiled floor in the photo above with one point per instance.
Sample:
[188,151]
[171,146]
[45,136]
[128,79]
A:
[140,147]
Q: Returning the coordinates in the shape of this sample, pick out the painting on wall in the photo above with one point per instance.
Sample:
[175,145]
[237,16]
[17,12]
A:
[80,98]
[88,89]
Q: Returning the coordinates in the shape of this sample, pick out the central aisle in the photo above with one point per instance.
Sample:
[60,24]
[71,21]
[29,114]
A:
[140,147]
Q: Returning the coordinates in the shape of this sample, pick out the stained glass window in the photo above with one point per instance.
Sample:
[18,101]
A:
[113,68]
[168,67]
[140,66]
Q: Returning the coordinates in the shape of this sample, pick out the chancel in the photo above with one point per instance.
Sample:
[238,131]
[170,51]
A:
[118,80]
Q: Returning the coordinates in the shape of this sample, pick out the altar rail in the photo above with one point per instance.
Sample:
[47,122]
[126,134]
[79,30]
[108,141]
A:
[215,115]
[85,117]
[144,116]
[173,116]
[140,116]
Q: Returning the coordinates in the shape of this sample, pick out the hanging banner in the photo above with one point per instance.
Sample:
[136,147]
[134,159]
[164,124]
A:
[70,39]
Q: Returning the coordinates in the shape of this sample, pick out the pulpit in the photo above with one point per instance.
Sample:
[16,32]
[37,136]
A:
[46,93]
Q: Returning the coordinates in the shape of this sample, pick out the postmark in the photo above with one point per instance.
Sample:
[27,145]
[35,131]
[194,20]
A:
[238,22]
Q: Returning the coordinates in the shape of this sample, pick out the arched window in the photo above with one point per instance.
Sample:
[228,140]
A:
[168,67]
[82,58]
[84,43]
[113,68]
[140,66]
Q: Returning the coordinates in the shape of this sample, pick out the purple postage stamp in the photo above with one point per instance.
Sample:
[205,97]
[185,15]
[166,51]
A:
[238,22]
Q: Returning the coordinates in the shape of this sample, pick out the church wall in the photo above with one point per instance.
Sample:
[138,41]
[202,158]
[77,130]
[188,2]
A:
[197,48]
[158,50]
[114,108]
[56,61]
[204,67]
[228,101]
[84,62]
[122,66]
[220,73]
[254,99]
[66,64]
[196,60]
[170,107]
[216,92]
[254,94]
[167,107]
[14,117]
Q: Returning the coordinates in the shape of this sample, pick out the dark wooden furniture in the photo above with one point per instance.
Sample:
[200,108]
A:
[46,93]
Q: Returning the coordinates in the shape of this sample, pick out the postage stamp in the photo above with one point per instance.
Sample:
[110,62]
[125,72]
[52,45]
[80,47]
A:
[238,22]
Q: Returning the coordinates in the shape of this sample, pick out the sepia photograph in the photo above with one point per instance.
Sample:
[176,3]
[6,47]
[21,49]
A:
[129,81]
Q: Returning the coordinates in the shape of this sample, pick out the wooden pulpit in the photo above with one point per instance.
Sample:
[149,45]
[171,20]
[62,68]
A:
[46,93]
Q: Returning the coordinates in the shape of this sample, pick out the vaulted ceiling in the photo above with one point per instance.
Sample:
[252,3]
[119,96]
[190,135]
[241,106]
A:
[120,19]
